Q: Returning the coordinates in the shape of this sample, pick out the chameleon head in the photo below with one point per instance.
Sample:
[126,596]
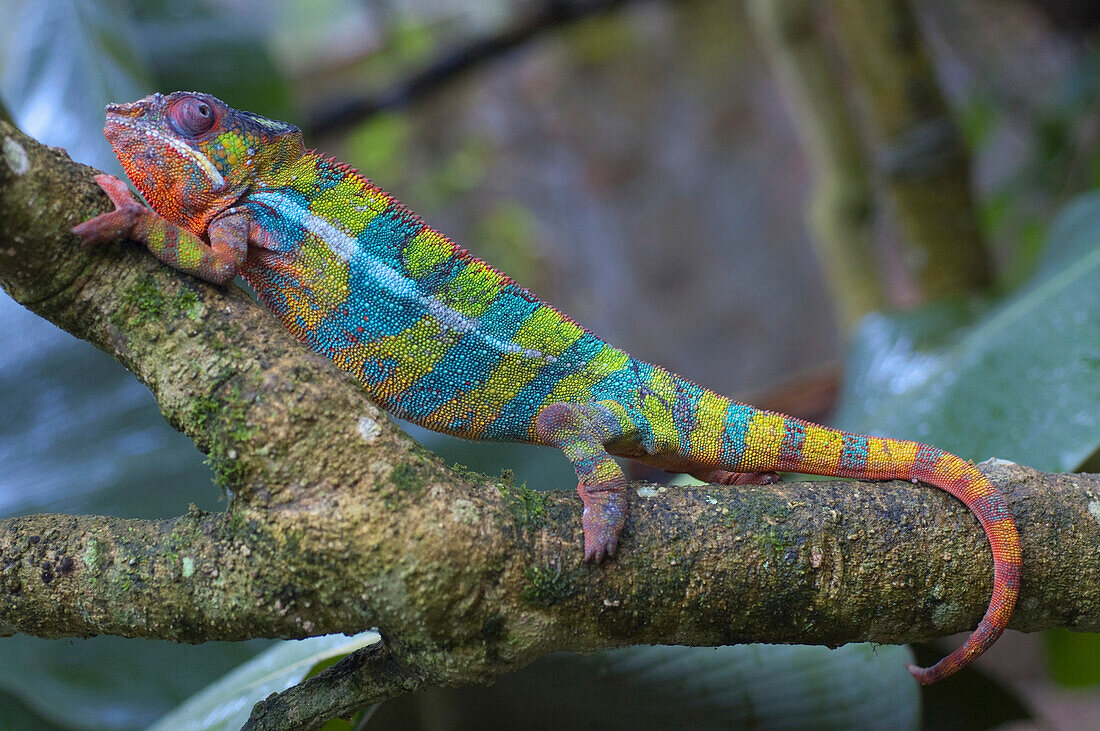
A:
[191,155]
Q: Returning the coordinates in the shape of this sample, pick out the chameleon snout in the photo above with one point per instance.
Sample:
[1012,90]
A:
[133,109]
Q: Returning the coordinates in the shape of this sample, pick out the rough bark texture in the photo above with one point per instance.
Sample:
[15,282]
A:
[339,522]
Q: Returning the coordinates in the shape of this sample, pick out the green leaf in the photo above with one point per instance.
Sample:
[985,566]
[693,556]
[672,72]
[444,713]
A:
[1074,657]
[1073,235]
[227,702]
[1019,380]
[755,686]
[777,686]
[108,682]
[14,714]
[380,145]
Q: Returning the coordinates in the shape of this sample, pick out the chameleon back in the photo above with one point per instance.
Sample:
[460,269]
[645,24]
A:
[435,335]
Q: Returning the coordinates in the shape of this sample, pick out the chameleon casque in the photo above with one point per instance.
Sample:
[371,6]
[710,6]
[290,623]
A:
[442,339]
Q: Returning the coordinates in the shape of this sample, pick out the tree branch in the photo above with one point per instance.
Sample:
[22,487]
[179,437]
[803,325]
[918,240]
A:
[363,678]
[339,522]
[549,16]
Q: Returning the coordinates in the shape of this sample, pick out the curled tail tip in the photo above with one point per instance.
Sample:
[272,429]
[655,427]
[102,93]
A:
[978,642]
[927,676]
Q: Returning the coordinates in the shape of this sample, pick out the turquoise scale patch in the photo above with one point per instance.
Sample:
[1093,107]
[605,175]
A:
[471,362]
[515,420]
[285,232]
[854,454]
[387,234]
[736,432]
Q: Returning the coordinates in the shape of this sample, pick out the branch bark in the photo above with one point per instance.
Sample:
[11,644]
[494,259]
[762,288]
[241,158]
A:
[339,522]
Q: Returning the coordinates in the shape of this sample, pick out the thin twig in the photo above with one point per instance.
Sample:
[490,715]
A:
[340,115]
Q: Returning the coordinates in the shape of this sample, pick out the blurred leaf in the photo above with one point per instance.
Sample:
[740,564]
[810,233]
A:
[995,210]
[227,702]
[1022,381]
[507,236]
[1073,235]
[978,120]
[109,682]
[412,41]
[192,45]
[337,724]
[15,714]
[601,38]
[466,168]
[1074,657]
[779,686]
[379,146]
[64,60]
[637,688]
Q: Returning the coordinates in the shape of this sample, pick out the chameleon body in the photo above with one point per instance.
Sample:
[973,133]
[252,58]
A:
[442,339]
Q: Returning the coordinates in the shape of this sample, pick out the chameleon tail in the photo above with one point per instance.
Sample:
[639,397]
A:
[761,441]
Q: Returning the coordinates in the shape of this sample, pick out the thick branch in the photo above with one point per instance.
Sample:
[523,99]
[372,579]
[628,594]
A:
[188,579]
[339,522]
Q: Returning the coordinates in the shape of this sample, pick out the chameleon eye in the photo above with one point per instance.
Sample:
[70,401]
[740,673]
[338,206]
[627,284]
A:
[191,117]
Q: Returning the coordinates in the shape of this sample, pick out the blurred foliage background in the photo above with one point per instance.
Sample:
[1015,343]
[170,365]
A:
[736,190]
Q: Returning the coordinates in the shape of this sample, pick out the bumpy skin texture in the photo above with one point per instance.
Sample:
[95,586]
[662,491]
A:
[443,339]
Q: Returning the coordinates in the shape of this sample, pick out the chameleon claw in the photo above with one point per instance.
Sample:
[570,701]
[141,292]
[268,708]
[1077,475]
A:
[595,551]
[597,554]
[603,519]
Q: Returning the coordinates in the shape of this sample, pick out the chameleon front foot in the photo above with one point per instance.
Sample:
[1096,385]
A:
[115,225]
[603,519]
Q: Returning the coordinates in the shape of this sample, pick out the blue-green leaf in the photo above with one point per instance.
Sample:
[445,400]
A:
[1020,381]
[743,686]
[64,61]
[227,702]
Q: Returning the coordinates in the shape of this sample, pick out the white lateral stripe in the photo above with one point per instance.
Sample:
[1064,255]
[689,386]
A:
[200,159]
[388,278]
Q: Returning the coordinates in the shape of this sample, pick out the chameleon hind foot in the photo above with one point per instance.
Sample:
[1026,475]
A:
[582,431]
[603,519]
[116,224]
